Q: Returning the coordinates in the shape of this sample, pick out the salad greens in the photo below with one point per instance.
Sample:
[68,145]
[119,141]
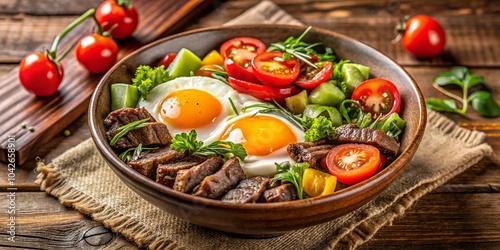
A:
[482,101]
[184,142]
[146,78]
[292,173]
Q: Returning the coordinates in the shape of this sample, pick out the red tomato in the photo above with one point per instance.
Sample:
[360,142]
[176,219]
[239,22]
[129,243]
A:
[238,54]
[205,70]
[383,161]
[40,75]
[378,96]
[423,36]
[352,163]
[122,20]
[167,59]
[272,70]
[310,78]
[96,53]
[262,92]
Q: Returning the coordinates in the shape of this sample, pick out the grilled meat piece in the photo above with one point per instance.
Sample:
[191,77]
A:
[213,186]
[351,133]
[166,173]
[155,133]
[247,191]
[186,179]
[310,152]
[285,192]
[148,161]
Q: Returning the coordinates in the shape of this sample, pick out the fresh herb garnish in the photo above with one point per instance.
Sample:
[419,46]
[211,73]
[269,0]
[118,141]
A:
[233,106]
[126,157]
[339,77]
[220,75]
[292,173]
[318,128]
[146,78]
[301,50]
[187,142]
[123,130]
[276,109]
[482,101]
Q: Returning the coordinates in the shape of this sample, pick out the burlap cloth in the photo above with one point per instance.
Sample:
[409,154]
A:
[80,178]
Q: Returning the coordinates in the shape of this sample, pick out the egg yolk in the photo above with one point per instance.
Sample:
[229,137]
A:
[260,135]
[190,108]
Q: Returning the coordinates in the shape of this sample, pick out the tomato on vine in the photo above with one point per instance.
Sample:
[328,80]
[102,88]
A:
[421,35]
[119,17]
[96,52]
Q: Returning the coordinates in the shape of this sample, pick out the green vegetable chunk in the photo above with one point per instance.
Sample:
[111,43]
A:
[297,103]
[123,96]
[326,94]
[314,111]
[354,74]
[184,63]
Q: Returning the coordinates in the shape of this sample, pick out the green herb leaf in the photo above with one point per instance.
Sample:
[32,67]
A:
[318,128]
[446,78]
[483,102]
[447,105]
[126,157]
[186,142]
[276,109]
[292,173]
[123,130]
[146,78]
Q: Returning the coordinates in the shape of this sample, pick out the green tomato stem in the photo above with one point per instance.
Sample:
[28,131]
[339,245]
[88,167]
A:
[71,26]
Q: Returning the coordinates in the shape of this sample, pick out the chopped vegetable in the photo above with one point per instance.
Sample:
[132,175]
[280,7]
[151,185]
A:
[353,75]
[184,63]
[213,58]
[326,94]
[123,130]
[292,173]
[317,183]
[482,101]
[297,103]
[123,96]
[318,128]
[146,78]
[184,142]
[314,110]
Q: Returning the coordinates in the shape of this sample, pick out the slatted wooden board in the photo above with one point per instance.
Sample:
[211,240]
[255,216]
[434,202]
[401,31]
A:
[49,115]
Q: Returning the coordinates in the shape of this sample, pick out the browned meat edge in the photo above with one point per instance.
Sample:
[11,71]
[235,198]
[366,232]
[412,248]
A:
[213,186]
[166,173]
[285,192]
[186,179]
[351,133]
[247,191]
[148,161]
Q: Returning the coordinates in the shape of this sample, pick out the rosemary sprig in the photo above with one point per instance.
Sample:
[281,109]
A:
[276,109]
[123,130]
[126,157]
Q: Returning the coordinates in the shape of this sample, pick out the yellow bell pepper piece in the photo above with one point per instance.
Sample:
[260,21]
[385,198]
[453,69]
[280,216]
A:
[317,183]
[213,58]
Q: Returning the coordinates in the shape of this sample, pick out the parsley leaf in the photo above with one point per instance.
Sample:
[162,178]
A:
[146,78]
[292,173]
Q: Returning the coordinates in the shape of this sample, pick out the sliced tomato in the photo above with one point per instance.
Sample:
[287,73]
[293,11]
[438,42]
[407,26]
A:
[262,92]
[272,70]
[310,78]
[352,163]
[206,70]
[238,54]
[381,165]
[167,60]
[378,96]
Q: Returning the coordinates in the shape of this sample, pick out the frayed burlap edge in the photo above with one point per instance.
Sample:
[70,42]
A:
[52,181]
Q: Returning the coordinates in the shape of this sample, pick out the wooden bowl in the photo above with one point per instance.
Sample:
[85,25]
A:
[261,219]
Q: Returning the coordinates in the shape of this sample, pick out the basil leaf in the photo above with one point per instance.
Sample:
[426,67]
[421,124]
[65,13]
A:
[472,80]
[447,105]
[446,78]
[483,102]
[459,71]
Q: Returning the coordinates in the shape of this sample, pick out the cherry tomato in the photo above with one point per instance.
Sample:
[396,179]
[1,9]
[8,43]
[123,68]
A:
[121,20]
[310,78]
[238,54]
[423,36]
[352,163]
[378,96]
[262,92]
[167,59]
[205,70]
[273,71]
[383,161]
[96,53]
[40,75]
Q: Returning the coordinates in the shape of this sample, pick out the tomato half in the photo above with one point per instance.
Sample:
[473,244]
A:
[262,92]
[272,70]
[423,36]
[40,75]
[238,54]
[310,78]
[352,163]
[96,53]
[121,20]
[378,96]
[167,60]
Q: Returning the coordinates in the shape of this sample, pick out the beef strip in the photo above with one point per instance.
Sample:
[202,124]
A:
[285,192]
[148,161]
[247,191]
[351,133]
[154,133]
[166,173]
[227,177]
[310,152]
[186,179]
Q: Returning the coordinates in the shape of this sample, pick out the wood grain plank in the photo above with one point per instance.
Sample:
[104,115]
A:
[47,8]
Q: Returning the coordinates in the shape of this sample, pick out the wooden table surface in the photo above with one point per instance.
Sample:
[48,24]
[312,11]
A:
[461,214]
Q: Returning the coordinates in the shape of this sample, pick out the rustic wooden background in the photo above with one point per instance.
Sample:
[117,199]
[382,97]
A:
[461,214]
